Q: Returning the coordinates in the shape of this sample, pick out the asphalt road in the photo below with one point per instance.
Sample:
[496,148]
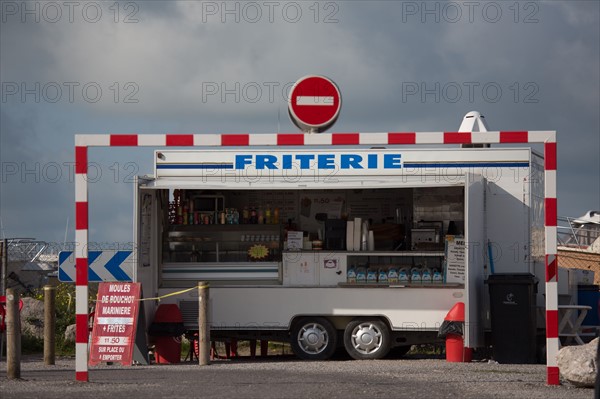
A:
[287,377]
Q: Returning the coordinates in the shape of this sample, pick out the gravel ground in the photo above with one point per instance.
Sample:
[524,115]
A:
[287,377]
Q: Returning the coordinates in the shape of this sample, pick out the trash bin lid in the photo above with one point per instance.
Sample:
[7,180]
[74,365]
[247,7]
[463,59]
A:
[511,278]
[588,287]
[168,313]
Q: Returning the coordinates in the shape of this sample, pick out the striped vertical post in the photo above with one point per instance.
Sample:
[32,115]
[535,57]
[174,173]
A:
[550,212]
[81,263]
[83,142]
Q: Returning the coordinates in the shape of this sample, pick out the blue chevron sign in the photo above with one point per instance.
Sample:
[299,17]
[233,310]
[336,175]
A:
[107,265]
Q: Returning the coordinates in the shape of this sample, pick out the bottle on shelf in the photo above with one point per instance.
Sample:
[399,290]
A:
[178,207]
[260,215]
[245,215]
[275,216]
[268,215]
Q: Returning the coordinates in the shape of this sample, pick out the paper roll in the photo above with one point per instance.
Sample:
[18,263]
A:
[371,241]
[350,236]
[364,236]
[357,233]
[306,244]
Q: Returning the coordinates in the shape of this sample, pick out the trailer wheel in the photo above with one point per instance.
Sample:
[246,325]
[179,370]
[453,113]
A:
[313,338]
[367,339]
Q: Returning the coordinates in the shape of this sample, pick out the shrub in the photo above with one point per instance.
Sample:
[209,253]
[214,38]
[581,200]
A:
[65,316]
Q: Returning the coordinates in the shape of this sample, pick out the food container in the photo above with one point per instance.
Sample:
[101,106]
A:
[392,276]
[415,276]
[426,276]
[371,276]
[403,276]
[437,277]
[382,277]
[351,276]
[361,275]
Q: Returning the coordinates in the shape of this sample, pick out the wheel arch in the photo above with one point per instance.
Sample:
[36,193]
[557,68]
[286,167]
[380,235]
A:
[341,321]
[334,320]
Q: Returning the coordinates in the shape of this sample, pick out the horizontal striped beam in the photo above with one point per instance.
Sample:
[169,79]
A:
[82,141]
[308,139]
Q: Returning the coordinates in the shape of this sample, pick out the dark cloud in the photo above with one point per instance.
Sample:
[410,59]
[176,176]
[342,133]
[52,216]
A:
[545,61]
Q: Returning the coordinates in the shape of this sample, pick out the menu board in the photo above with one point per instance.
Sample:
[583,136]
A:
[115,323]
[294,240]
[454,260]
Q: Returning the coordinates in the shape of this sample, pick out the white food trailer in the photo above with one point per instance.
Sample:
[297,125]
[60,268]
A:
[333,285]
[355,240]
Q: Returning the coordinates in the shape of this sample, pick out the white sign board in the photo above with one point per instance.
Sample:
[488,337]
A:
[454,260]
[294,240]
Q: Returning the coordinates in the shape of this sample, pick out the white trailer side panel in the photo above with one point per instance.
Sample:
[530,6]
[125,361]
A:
[147,242]
[475,257]
[272,308]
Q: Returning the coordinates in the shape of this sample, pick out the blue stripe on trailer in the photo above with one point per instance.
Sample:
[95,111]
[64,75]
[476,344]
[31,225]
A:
[196,166]
[466,165]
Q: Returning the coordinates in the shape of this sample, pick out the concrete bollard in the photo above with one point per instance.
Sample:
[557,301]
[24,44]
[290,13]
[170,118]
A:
[203,327]
[49,324]
[13,335]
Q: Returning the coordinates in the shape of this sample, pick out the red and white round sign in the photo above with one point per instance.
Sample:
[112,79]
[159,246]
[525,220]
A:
[314,103]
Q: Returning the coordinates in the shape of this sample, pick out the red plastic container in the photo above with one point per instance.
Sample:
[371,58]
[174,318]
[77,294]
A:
[168,313]
[455,350]
[455,344]
[167,349]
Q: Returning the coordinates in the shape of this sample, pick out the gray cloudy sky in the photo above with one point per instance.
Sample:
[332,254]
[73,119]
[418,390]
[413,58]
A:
[215,67]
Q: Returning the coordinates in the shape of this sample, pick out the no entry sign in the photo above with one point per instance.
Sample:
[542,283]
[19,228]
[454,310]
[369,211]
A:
[115,323]
[314,103]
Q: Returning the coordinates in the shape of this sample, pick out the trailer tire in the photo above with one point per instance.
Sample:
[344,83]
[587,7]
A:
[367,339]
[313,338]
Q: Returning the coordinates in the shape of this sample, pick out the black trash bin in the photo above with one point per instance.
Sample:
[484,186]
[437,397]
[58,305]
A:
[513,314]
[590,295]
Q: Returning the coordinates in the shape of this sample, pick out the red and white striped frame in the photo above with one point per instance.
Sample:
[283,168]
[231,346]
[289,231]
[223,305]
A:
[82,142]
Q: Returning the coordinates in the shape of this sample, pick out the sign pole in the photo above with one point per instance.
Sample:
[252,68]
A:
[4,271]
[81,262]
[49,324]
[203,327]
[13,335]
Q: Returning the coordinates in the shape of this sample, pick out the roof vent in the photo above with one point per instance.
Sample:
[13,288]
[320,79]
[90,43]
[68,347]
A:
[473,122]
